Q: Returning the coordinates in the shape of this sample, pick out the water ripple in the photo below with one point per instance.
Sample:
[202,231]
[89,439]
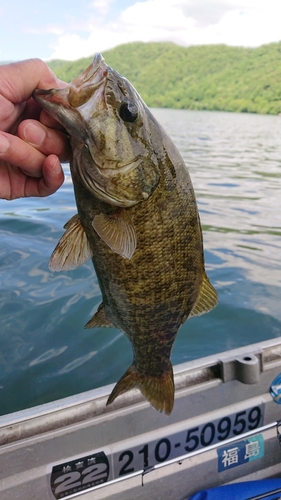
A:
[235,165]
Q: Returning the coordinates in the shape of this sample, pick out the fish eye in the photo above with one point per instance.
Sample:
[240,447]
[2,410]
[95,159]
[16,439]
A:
[128,111]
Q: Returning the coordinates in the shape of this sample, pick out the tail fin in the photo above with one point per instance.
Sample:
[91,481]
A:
[159,391]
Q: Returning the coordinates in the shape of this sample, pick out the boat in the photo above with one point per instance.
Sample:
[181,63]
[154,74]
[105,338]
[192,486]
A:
[225,429]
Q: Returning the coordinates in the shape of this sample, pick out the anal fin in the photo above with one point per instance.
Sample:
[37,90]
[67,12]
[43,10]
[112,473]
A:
[99,319]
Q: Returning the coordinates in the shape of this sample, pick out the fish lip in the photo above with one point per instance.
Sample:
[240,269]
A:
[98,60]
[50,92]
[58,96]
[91,72]
[94,75]
[43,91]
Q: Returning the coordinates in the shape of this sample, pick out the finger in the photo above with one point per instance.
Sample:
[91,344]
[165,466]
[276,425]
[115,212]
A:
[49,121]
[12,114]
[18,80]
[21,154]
[15,184]
[51,180]
[45,139]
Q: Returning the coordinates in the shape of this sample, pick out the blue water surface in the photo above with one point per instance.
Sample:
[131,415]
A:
[235,164]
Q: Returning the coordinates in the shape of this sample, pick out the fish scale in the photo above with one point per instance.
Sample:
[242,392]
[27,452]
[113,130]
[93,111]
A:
[137,219]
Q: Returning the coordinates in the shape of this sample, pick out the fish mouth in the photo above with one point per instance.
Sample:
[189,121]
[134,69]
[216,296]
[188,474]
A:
[78,91]
[85,91]
[85,85]
[91,73]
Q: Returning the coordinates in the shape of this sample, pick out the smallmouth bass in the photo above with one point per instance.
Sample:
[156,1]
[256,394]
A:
[137,220]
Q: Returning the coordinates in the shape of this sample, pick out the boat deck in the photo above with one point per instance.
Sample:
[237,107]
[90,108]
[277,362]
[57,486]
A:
[224,428]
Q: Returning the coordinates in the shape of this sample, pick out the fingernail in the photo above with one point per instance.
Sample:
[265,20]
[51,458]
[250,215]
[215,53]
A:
[56,169]
[4,144]
[34,134]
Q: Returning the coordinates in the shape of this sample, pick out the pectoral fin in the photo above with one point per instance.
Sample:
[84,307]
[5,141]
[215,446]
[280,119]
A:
[73,248]
[99,319]
[117,231]
[207,299]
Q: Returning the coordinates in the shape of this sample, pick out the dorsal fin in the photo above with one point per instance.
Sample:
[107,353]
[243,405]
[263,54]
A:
[117,231]
[73,248]
[207,298]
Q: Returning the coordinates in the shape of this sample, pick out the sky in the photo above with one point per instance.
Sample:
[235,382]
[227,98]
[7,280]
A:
[70,29]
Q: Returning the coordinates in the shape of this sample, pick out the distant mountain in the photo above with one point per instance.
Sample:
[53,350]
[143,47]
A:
[211,77]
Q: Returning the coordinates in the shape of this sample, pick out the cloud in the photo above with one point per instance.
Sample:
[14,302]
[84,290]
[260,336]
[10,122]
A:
[47,29]
[186,22]
[249,27]
[156,14]
[209,13]
[102,6]
[74,46]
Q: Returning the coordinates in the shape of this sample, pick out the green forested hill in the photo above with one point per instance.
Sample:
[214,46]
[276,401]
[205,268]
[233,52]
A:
[213,77]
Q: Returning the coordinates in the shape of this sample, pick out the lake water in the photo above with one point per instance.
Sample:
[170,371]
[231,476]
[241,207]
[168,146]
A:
[46,354]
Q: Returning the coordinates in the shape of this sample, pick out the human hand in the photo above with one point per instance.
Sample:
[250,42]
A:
[30,150]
